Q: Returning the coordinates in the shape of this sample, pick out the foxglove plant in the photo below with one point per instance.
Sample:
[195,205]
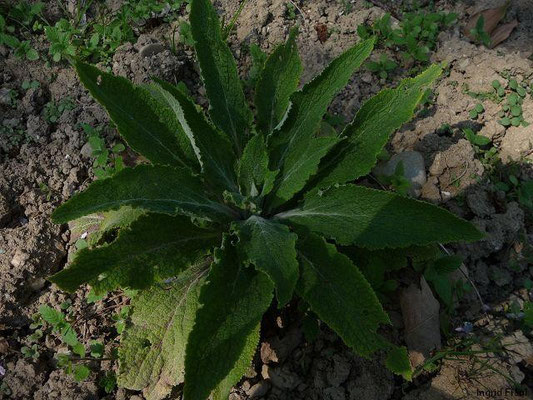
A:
[226,213]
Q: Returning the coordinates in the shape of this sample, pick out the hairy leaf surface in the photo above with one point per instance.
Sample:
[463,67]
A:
[213,150]
[254,176]
[277,82]
[376,219]
[308,106]
[152,348]
[270,246]
[340,295]
[156,245]
[370,131]
[228,107]
[233,302]
[159,189]
[136,115]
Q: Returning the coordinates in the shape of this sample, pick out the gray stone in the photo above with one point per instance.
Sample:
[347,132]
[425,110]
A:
[5,96]
[414,169]
[258,390]
[86,150]
[151,49]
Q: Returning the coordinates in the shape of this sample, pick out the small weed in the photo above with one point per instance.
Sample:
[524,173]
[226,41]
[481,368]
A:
[26,85]
[382,67]
[476,111]
[107,162]
[53,110]
[511,113]
[290,10]
[475,139]
[479,34]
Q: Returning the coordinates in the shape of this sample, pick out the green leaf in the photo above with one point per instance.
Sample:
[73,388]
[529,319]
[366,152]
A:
[160,189]
[152,347]
[225,335]
[154,246]
[398,362]
[228,107]
[376,219]
[81,372]
[296,138]
[213,150]
[302,165]
[371,129]
[270,246]
[50,315]
[340,295]
[277,82]
[133,110]
[253,174]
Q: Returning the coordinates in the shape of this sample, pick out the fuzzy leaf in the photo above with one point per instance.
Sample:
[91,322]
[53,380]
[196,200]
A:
[213,150]
[398,362]
[371,129]
[225,335]
[277,82]
[159,189]
[156,245]
[302,166]
[152,348]
[297,134]
[270,246]
[376,219]
[340,295]
[228,107]
[253,174]
[135,113]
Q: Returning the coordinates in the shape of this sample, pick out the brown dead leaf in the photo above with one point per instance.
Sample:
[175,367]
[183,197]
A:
[420,311]
[492,17]
[501,33]
[322,32]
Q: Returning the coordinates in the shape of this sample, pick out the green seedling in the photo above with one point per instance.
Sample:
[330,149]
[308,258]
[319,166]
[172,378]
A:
[236,213]
[53,110]
[476,111]
[382,67]
[475,139]
[290,10]
[107,162]
[479,34]
[26,84]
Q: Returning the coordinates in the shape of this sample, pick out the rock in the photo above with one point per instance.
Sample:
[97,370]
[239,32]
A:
[337,375]
[493,129]
[516,144]
[151,49]
[19,258]
[334,393]
[518,347]
[86,151]
[420,312]
[37,284]
[277,350]
[258,390]
[282,378]
[414,169]
[479,202]
[5,96]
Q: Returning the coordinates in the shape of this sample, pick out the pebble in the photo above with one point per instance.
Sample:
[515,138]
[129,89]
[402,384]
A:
[151,49]
[5,96]
[414,169]
[258,390]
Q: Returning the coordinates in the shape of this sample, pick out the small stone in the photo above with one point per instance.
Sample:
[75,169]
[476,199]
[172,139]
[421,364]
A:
[258,390]
[86,151]
[19,258]
[414,169]
[37,284]
[151,49]
[5,96]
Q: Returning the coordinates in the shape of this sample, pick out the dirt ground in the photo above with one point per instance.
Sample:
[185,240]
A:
[44,163]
